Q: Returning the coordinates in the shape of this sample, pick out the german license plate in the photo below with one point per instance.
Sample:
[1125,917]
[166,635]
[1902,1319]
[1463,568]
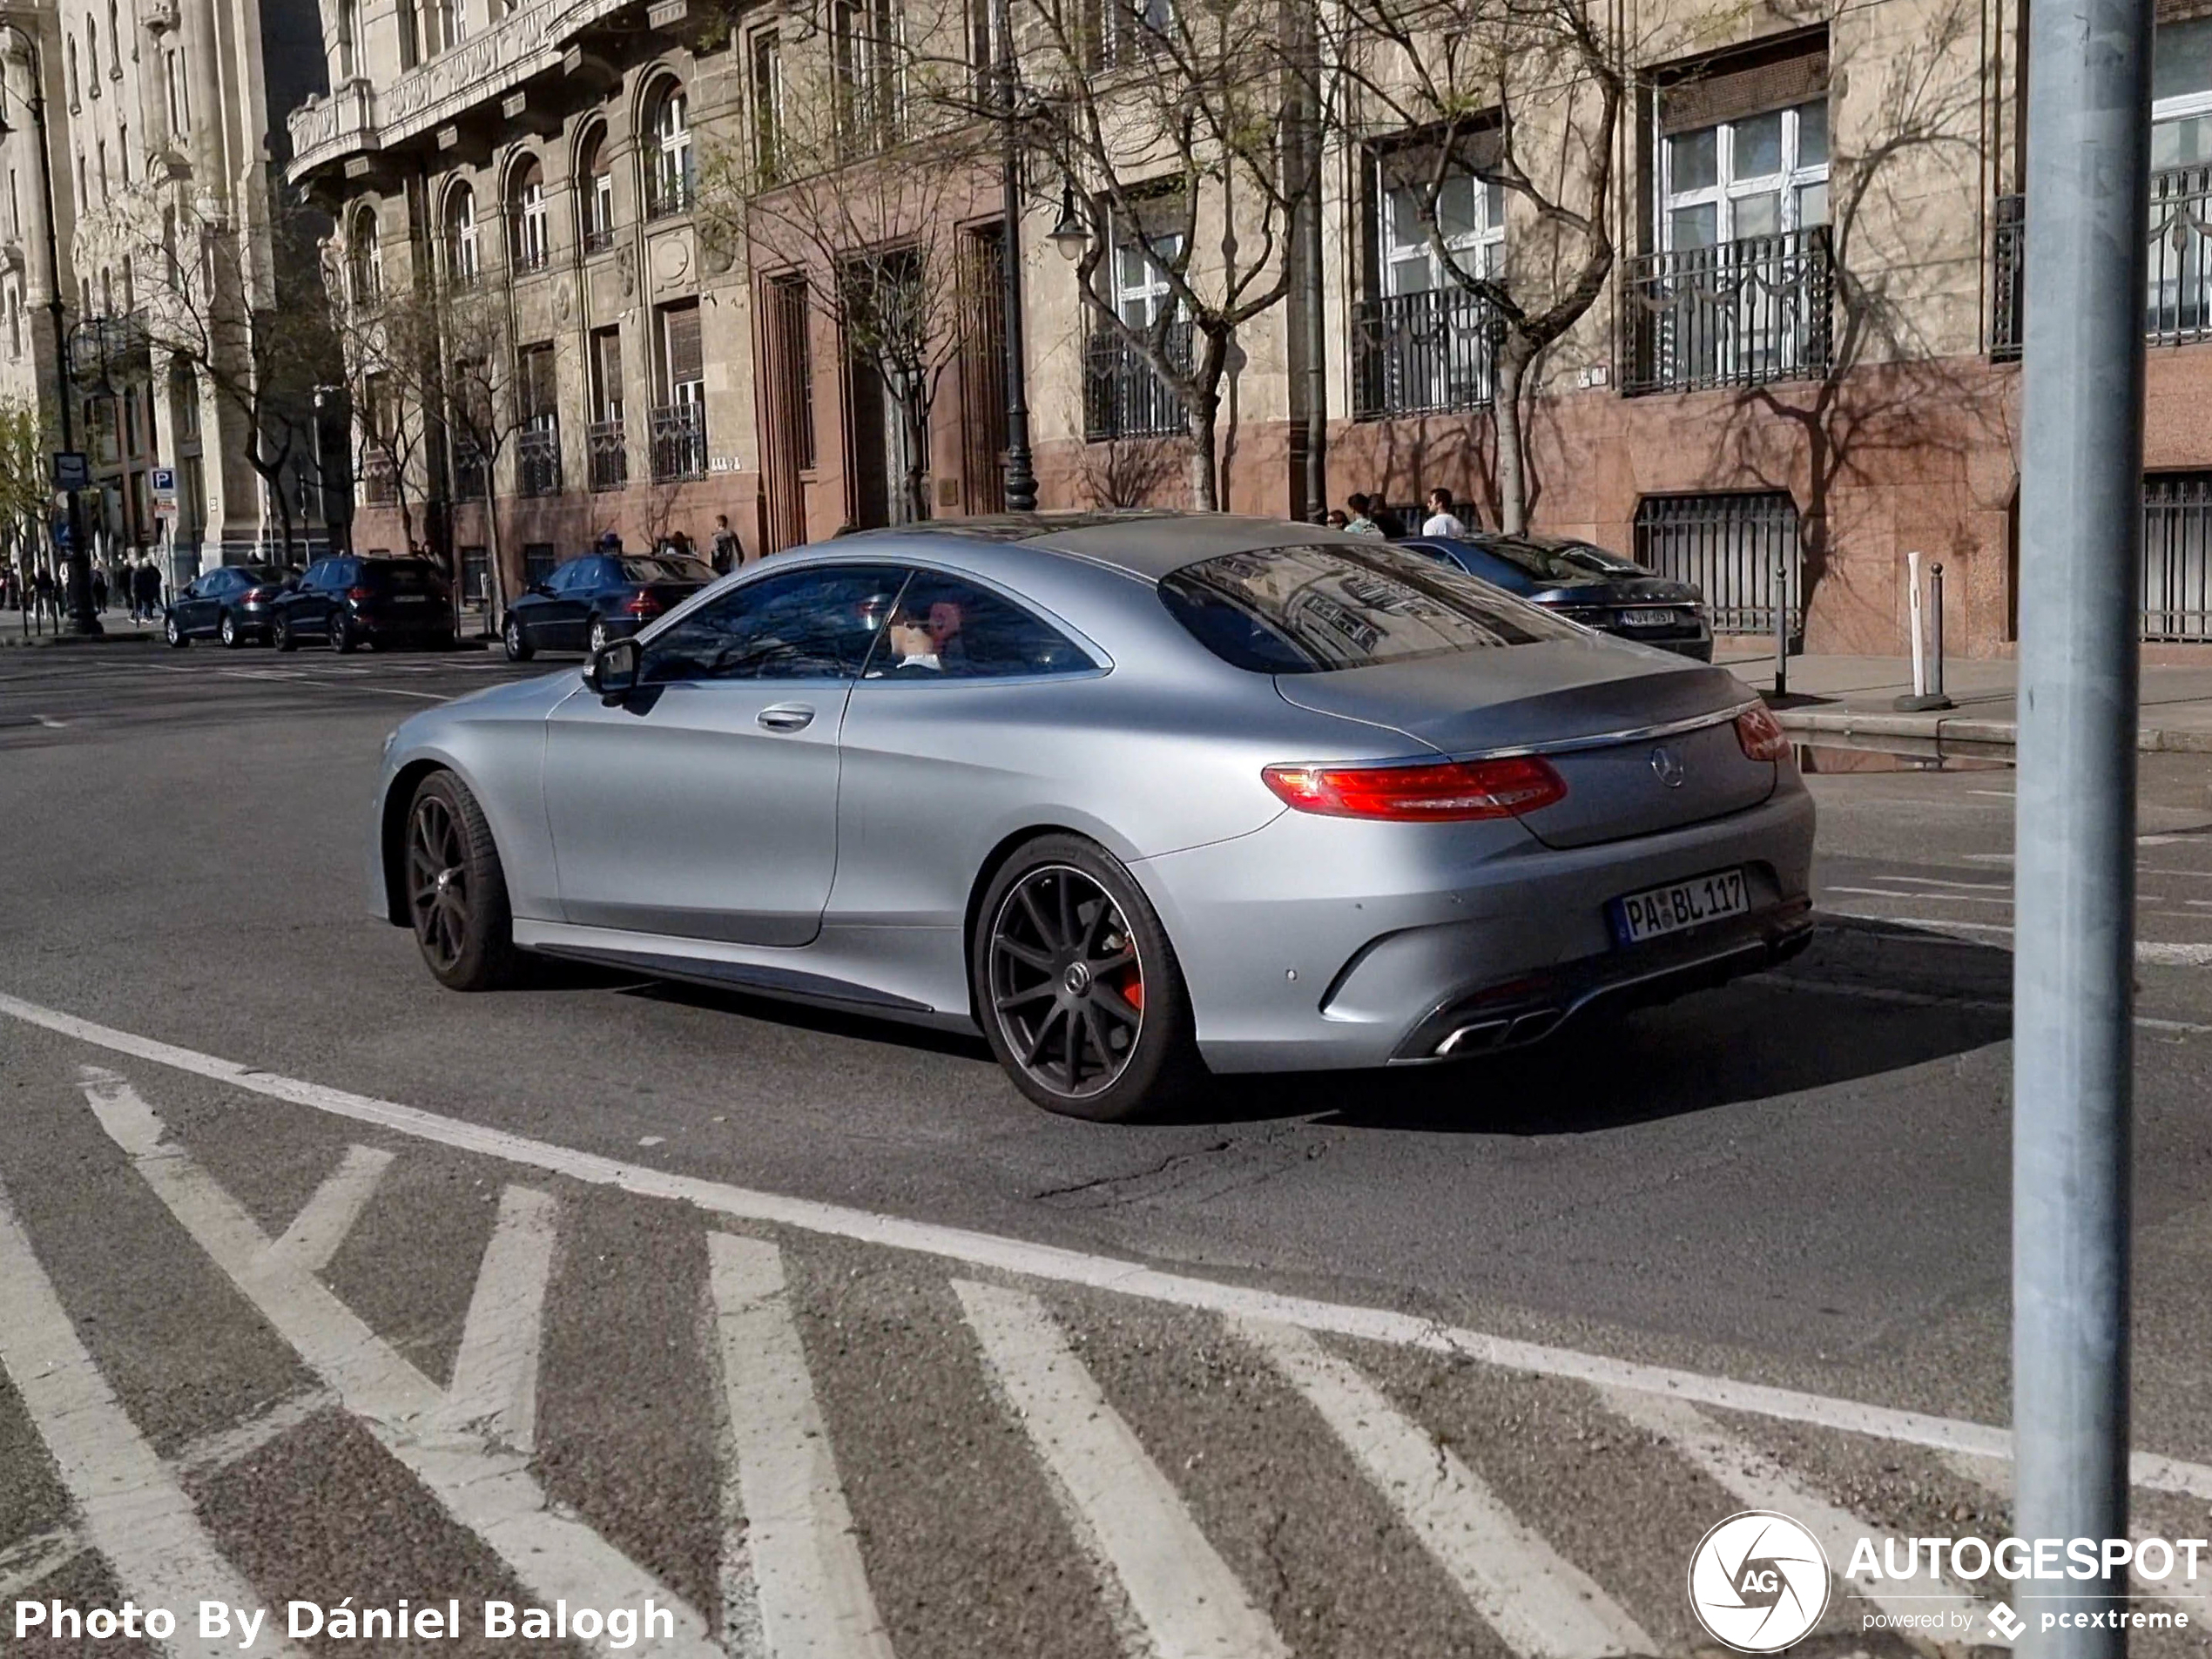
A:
[409,598]
[1647,618]
[1680,905]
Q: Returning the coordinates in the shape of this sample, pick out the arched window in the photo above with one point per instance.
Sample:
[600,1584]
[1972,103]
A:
[529,234]
[463,256]
[667,150]
[365,253]
[76,94]
[92,53]
[595,197]
[114,44]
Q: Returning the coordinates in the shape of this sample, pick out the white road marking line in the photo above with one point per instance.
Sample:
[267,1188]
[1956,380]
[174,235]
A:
[2149,953]
[494,1373]
[1994,1475]
[27,1560]
[1541,1603]
[1051,1262]
[1937,881]
[1758,1482]
[490,1492]
[1929,1000]
[323,1222]
[1122,1509]
[1920,898]
[228,1445]
[130,1507]
[784,1507]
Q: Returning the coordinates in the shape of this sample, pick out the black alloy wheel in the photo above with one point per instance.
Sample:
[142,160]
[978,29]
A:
[518,649]
[280,633]
[228,631]
[173,632]
[456,893]
[341,632]
[1082,999]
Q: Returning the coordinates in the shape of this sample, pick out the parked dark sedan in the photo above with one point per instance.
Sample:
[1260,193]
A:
[343,602]
[586,601]
[232,603]
[1586,583]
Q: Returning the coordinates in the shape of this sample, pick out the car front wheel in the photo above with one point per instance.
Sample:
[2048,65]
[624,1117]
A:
[518,649]
[228,631]
[456,893]
[1079,991]
[174,633]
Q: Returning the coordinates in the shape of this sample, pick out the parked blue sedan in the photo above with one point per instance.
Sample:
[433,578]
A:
[1586,583]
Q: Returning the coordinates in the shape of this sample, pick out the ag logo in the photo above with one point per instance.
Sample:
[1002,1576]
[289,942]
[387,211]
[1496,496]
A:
[1759,1581]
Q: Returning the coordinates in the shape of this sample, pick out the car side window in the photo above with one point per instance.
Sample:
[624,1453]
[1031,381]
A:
[568,578]
[318,575]
[947,628]
[816,623]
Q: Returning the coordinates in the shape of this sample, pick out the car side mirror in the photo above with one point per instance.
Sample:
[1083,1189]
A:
[540,590]
[612,671]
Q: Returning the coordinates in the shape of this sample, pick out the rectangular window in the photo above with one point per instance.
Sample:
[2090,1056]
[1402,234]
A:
[1759,175]
[606,374]
[683,363]
[767,61]
[865,40]
[2181,90]
[1471,216]
[2176,586]
[14,206]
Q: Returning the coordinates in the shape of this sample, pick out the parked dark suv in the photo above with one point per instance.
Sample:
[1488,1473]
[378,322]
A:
[233,602]
[583,603]
[343,602]
[1595,587]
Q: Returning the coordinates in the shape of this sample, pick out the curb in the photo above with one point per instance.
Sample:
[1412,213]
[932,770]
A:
[50,642]
[1982,734]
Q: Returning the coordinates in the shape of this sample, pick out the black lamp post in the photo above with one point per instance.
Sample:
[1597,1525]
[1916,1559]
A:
[1021,478]
[83,618]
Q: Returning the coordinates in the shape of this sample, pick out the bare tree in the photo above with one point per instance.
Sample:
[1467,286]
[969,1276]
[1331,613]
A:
[1522,95]
[478,398]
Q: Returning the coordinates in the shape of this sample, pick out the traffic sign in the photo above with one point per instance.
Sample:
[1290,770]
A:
[72,470]
[164,481]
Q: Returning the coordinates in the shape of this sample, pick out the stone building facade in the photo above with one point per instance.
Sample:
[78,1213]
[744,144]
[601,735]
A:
[1801,368]
[164,142]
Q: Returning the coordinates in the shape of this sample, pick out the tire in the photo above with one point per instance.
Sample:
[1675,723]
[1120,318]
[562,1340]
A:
[280,635]
[1068,951]
[456,893]
[229,632]
[174,634]
[596,640]
[341,633]
[518,648]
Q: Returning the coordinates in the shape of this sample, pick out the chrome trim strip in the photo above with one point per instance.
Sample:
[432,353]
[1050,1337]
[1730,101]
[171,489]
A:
[1608,740]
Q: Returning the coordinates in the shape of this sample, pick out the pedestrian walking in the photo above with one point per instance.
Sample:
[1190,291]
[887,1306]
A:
[43,605]
[1360,523]
[1442,519]
[727,554]
[145,581]
[99,591]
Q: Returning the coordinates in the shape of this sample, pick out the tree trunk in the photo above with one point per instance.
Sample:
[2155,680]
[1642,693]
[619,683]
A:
[1203,480]
[1514,354]
[914,486]
[496,565]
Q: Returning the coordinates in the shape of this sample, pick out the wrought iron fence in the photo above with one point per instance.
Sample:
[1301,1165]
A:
[1124,397]
[379,481]
[2177,558]
[679,443]
[608,451]
[1738,313]
[537,458]
[471,474]
[1423,353]
[2177,300]
[598,239]
[2007,264]
[1740,550]
[669,192]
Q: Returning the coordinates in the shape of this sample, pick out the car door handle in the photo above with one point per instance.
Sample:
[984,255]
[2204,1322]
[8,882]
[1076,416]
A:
[785,716]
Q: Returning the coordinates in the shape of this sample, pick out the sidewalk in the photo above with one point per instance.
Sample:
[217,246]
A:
[1853,696]
[120,630]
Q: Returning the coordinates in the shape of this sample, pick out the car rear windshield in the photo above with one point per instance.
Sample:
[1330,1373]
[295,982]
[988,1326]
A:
[399,576]
[1560,561]
[1313,609]
[666,570]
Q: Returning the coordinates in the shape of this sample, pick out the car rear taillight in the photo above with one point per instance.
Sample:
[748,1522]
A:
[360,595]
[1761,734]
[259,596]
[644,604]
[1448,791]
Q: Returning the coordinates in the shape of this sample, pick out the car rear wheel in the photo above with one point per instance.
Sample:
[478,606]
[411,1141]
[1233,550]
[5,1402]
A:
[280,635]
[341,632]
[228,631]
[596,639]
[456,893]
[518,649]
[174,633]
[1079,992]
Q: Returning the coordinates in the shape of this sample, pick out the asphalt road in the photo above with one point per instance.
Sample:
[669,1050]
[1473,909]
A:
[812,1330]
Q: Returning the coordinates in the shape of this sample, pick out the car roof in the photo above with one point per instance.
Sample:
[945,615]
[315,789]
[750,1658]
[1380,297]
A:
[1145,543]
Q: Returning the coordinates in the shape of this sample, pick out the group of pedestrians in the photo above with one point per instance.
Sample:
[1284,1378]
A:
[40,591]
[1369,515]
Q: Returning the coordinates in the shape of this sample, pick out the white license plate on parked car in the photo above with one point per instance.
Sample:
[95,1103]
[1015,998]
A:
[1639,916]
[409,598]
[1648,618]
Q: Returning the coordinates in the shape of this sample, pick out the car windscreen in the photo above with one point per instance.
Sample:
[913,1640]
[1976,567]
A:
[1559,561]
[1311,609]
[666,570]
[395,576]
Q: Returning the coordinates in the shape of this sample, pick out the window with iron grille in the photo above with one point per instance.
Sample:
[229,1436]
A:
[1741,550]
[2177,558]
[538,560]
[1123,394]
[669,179]
[679,421]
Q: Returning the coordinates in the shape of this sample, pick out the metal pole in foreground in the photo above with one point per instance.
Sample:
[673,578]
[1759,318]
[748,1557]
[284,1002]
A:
[2080,518]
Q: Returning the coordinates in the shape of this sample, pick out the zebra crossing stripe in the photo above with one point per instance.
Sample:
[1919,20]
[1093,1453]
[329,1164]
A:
[784,1510]
[1541,1603]
[1124,1511]
[1759,1482]
[488,1492]
[131,1508]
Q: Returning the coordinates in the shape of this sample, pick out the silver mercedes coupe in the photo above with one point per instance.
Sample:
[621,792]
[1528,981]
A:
[1138,797]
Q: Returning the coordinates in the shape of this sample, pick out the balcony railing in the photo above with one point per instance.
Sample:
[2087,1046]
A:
[669,193]
[537,458]
[608,453]
[471,476]
[679,443]
[2177,299]
[1741,313]
[379,481]
[1124,397]
[597,239]
[528,258]
[1423,353]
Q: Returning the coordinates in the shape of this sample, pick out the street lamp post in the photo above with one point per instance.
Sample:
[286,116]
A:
[83,618]
[1021,479]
